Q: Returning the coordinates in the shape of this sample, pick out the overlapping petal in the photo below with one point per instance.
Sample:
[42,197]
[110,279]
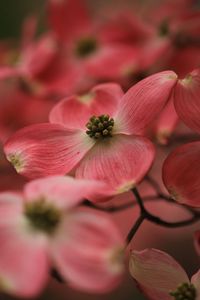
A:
[187,100]
[156,273]
[142,103]
[46,149]
[121,162]
[181,174]
[75,111]
[89,254]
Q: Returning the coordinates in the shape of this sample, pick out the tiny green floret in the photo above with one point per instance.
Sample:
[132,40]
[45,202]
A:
[42,215]
[185,291]
[100,127]
[86,46]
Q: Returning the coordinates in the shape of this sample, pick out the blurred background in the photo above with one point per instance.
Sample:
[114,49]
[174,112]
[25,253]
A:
[177,242]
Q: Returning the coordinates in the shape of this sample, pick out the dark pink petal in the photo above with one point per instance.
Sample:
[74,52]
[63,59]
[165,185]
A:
[88,251]
[46,149]
[62,191]
[142,103]
[67,18]
[197,241]
[121,162]
[187,100]
[23,259]
[181,174]
[166,123]
[75,111]
[156,273]
[196,281]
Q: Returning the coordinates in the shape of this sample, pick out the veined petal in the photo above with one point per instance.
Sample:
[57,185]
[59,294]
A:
[187,100]
[197,241]
[75,111]
[62,191]
[23,261]
[46,149]
[166,123]
[121,162]
[156,273]
[196,281]
[88,251]
[143,102]
[181,174]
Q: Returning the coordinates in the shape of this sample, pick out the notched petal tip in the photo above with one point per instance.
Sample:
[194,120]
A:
[17,161]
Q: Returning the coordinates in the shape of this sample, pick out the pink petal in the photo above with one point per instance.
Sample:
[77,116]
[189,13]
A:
[156,273]
[67,18]
[121,162]
[181,174]
[166,123]
[87,251]
[197,241]
[196,281]
[187,100]
[74,112]
[46,149]
[142,103]
[63,191]
[23,260]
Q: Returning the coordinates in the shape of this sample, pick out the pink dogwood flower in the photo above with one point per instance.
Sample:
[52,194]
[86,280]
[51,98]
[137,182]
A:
[159,276]
[96,136]
[181,174]
[42,228]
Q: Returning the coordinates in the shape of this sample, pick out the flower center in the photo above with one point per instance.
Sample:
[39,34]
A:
[100,127]
[86,46]
[185,291]
[42,215]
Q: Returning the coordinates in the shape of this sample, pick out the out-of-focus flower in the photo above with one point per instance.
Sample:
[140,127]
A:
[87,44]
[94,142]
[42,228]
[159,276]
[181,174]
